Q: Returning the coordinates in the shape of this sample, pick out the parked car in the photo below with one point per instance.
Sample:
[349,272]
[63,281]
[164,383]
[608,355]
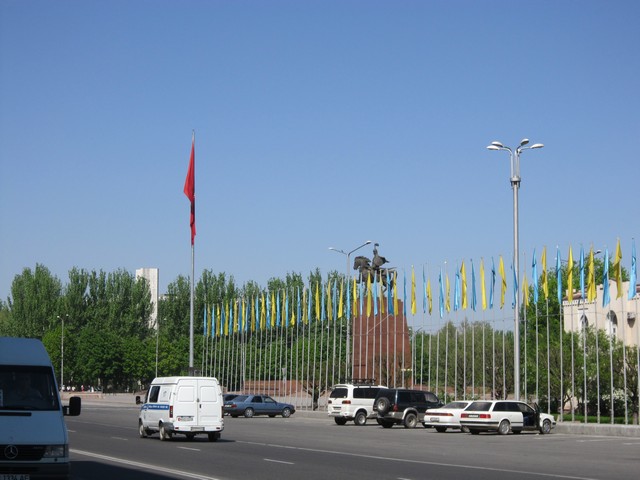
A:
[353,401]
[447,416]
[229,396]
[252,405]
[503,416]
[396,406]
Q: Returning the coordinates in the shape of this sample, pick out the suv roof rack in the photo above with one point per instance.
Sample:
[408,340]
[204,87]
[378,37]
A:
[364,381]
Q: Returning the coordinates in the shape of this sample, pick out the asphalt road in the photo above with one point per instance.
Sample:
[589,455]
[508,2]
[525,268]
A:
[105,445]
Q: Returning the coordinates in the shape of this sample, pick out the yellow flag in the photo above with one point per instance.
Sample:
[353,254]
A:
[482,287]
[226,319]
[503,278]
[525,292]
[369,295]
[413,291]
[354,298]
[340,305]
[254,304]
[447,300]
[395,293]
[591,278]
[235,316]
[429,298]
[219,320]
[273,309]
[463,276]
[263,314]
[545,281]
[617,269]
[570,275]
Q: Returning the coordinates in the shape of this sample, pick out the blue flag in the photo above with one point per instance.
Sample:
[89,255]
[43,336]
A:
[390,308]
[605,279]
[632,274]
[582,272]
[534,272]
[456,291]
[559,276]
[441,298]
[374,294]
[493,282]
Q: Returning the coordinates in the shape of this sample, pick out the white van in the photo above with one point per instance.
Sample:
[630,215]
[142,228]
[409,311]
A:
[33,434]
[182,405]
[353,401]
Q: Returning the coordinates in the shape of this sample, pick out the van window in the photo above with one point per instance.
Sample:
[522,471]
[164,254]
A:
[365,392]
[28,388]
[208,394]
[153,394]
[339,393]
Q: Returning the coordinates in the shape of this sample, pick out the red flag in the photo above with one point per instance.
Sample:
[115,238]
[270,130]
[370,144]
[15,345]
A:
[190,189]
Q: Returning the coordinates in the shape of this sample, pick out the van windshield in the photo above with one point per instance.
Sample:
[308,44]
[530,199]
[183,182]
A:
[27,388]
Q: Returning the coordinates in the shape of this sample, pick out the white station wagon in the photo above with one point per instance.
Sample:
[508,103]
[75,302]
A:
[504,416]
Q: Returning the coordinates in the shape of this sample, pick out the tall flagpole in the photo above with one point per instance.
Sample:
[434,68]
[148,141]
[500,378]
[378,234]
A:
[190,192]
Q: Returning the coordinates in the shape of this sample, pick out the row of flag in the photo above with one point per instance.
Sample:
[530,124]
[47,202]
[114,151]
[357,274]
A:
[337,300]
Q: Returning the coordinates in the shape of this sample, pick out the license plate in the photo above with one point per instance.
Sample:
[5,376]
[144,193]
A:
[197,429]
[471,415]
[14,476]
[435,419]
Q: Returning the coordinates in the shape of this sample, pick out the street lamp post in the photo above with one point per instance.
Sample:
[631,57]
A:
[514,156]
[61,318]
[348,255]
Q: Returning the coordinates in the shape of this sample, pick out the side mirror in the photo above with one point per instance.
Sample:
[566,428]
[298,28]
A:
[138,401]
[74,407]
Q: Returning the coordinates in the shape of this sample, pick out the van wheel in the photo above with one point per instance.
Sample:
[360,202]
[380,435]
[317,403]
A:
[248,413]
[286,412]
[410,420]
[504,427]
[141,430]
[360,419]
[214,436]
[340,420]
[164,435]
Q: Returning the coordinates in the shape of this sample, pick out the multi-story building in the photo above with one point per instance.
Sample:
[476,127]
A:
[151,275]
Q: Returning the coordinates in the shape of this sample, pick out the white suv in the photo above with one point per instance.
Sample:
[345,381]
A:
[353,401]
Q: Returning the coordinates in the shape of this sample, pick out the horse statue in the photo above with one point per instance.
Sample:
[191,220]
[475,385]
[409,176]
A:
[368,271]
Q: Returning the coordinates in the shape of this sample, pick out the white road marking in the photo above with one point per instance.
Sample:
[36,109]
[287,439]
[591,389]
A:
[120,438]
[145,466]
[278,461]
[190,448]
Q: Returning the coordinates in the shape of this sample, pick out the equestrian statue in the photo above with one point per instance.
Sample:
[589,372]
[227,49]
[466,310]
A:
[372,270]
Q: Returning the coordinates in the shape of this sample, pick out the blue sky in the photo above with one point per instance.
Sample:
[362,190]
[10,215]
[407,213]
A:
[318,124]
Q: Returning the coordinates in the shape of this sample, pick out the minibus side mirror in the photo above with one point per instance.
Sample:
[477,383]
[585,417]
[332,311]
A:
[74,407]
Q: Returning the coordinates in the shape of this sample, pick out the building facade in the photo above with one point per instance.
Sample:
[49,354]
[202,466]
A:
[151,275]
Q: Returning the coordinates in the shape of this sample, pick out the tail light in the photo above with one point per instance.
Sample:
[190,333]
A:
[395,408]
[346,402]
[171,411]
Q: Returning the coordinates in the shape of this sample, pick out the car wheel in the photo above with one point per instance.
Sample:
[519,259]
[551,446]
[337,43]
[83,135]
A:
[360,419]
[464,429]
[410,420]
[382,405]
[141,430]
[504,427]
[248,413]
[214,436]
[340,420]
[546,427]
[164,435]
[441,429]
[286,412]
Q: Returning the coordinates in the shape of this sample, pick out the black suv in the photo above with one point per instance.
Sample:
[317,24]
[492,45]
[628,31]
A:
[396,406]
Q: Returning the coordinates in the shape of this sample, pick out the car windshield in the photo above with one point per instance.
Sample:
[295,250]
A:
[27,388]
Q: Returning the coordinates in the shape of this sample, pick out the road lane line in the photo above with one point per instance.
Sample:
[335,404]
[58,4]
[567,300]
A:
[278,461]
[145,466]
[421,462]
[190,448]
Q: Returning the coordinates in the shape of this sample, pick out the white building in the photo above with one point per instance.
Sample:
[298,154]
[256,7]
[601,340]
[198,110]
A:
[152,276]
[619,317]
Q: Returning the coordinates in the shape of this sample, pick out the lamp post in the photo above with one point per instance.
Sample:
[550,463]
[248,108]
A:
[61,318]
[514,156]
[348,255]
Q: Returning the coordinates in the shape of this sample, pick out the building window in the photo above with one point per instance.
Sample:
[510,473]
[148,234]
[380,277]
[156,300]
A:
[612,323]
